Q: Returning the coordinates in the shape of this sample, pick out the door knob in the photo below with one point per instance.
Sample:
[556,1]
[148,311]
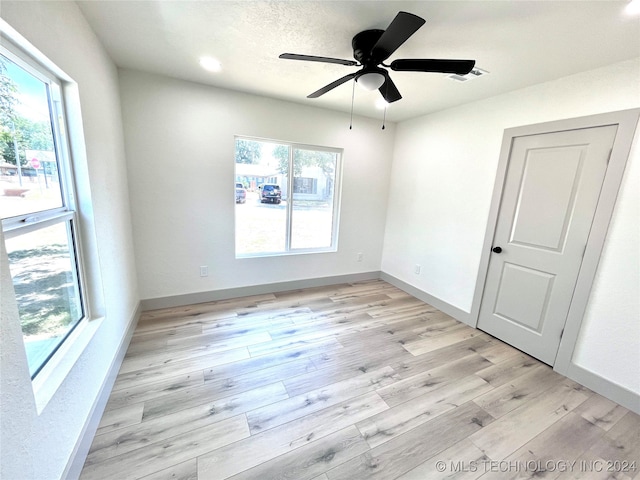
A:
[496,249]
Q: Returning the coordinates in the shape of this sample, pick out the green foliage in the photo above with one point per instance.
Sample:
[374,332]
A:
[6,147]
[303,159]
[8,100]
[247,151]
[28,135]
[281,153]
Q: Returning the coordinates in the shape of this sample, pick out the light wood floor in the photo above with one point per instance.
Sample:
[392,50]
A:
[353,381]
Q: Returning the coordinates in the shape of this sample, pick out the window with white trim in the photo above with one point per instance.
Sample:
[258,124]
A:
[38,206]
[290,202]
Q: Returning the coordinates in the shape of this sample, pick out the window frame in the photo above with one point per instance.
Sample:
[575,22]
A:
[336,208]
[67,214]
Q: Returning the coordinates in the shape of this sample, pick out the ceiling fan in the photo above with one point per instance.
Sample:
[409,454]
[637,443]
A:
[372,47]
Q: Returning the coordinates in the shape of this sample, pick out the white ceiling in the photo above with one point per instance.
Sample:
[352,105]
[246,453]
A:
[519,42]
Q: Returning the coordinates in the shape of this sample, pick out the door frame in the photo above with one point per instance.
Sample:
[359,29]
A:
[626,120]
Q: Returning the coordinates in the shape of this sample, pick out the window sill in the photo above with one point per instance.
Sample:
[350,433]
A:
[291,253]
[54,373]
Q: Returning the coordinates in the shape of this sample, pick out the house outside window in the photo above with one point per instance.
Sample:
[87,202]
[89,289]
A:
[38,206]
[302,215]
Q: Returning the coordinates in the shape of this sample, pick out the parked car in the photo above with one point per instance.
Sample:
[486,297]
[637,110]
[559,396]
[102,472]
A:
[270,193]
[241,193]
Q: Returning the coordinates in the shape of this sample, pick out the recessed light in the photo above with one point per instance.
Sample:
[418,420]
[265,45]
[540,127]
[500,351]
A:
[633,8]
[210,64]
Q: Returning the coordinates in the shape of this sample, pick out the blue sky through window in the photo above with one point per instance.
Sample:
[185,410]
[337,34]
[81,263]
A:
[32,93]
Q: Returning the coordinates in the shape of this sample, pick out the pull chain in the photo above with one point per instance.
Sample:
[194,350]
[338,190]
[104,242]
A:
[384,118]
[353,93]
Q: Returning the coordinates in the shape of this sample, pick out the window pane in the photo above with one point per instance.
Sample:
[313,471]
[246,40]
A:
[46,284]
[29,180]
[261,218]
[313,198]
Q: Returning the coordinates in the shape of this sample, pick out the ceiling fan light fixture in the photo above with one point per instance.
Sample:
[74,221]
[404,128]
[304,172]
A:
[371,80]
[372,47]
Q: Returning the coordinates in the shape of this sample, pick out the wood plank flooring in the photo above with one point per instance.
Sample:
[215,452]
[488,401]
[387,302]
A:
[351,381]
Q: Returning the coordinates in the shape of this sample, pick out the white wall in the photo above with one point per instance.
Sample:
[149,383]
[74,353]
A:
[180,150]
[448,160]
[609,341]
[38,446]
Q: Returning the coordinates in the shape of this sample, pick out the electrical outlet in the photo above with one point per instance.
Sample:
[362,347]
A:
[359,256]
[417,269]
[204,271]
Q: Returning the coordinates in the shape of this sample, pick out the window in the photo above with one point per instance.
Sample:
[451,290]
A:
[37,207]
[292,198]
[305,185]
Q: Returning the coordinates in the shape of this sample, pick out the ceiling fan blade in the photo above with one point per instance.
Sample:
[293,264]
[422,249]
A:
[311,58]
[331,86]
[389,90]
[460,67]
[401,28]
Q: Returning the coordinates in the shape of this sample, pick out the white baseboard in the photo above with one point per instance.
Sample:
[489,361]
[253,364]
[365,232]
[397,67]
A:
[589,379]
[228,293]
[81,449]
[604,387]
[445,307]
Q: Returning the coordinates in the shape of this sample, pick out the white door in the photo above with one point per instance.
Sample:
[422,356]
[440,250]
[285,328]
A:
[548,203]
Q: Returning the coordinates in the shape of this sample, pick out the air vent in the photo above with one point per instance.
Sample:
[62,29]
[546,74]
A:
[475,73]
